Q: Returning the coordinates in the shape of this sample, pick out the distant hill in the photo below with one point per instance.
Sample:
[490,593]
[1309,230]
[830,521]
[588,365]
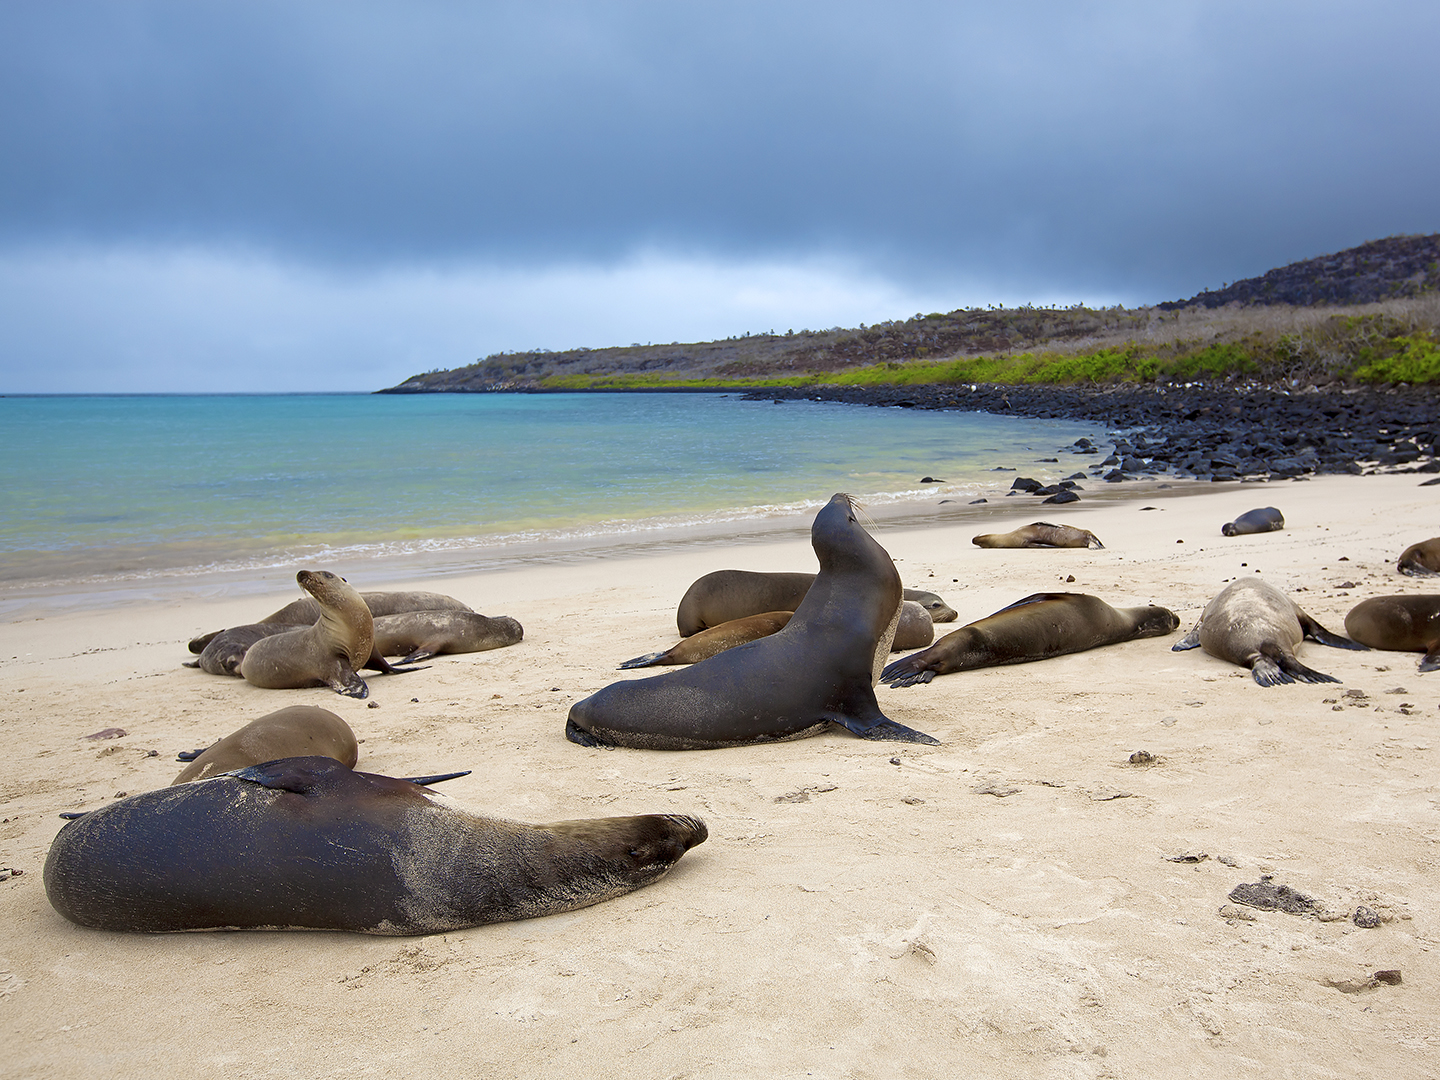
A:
[1395,268]
[1398,266]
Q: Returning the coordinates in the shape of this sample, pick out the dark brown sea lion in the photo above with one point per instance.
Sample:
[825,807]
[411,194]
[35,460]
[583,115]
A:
[1420,559]
[1255,625]
[1399,623]
[225,649]
[820,669]
[423,634]
[1266,519]
[1040,534]
[1035,628]
[326,654]
[305,612]
[305,843]
[295,731]
[725,595]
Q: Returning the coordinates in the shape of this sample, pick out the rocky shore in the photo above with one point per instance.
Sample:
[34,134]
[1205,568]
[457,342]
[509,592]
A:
[1204,432]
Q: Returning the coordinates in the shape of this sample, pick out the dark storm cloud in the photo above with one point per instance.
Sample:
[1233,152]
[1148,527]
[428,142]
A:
[1142,148]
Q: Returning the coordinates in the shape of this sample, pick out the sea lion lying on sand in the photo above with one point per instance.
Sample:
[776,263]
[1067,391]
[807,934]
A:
[1420,559]
[1255,625]
[724,595]
[1266,519]
[1401,623]
[295,731]
[1035,628]
[306,612]
[1040,534]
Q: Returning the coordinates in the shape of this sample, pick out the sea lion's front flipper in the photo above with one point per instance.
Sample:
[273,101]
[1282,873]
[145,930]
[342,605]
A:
[191,755]
[576,734]
[416,656]
[350,684]
[1431,660]
[1315,632]
[881,727]
[197,645]
[1035,598]
[1189,641]
[301,775]
[438,778]
[384,667]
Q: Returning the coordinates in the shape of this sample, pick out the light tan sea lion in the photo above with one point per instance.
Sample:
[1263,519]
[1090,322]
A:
[715,640]
[1255,625]
[1040,534]
[423,634]
[1419,560]
[1399,623]
[295,731]
[724,595]
[306,843]
[1266,519]
[326,654]
[1035,628]
[819,670]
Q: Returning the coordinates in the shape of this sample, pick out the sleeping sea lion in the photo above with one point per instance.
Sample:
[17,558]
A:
[820,669]
[295,731]
[1035,628]
[1040,534]
[724,595]
[306,843]
[1419,560]
[1255,625]
[1266,519]
[1400,623]
[224,649]
[326,654]
[423,634]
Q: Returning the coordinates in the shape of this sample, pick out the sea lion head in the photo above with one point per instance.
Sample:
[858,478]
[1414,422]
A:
[343,611]
[1155,621]
[841,542]
[625,853]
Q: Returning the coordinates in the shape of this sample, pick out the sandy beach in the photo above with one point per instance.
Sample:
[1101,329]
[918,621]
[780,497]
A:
[1008,903]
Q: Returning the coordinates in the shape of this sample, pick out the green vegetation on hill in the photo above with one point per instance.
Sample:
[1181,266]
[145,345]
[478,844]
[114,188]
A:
[1254,335]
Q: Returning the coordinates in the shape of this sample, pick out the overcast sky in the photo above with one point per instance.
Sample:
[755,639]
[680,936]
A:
[236,196]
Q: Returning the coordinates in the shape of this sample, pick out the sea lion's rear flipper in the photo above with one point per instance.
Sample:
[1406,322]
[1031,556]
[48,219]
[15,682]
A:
[648,660]
[886,730]
[1274,667]
[906,671]
[384,667]
[197,644]
[1315,632]
[190,663]
[1431,660]
[416,656]
[1189,641]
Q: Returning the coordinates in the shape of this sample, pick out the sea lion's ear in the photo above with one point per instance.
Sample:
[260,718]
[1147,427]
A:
[302,775]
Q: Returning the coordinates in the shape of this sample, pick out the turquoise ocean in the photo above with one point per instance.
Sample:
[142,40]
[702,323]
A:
[117,489]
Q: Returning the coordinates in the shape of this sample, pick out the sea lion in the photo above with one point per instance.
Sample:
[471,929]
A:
[1399,623]
[1255,625]
[724,595]
[1040,534]
[820,669]
[1419,560]
[1265,519]
[715,640]
[306,843]
[914,631]
[295,731]
[326,654]
[1035,628]
[224,649]
[423,634]
[305,611]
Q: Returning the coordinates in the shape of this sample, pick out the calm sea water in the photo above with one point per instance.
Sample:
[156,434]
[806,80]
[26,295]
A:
[116,488]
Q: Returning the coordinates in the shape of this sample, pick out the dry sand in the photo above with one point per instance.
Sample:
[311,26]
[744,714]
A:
[1004,904]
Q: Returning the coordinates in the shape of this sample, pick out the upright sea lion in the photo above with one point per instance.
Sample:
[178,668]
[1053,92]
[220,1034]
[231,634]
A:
[305,843]
[423,634]
[1040,534]
[1255,625]
[1400,623]
[724,595]
[295,731]
[1266,519]
[820,669]
[326,654]
[1035,628]
[305,611]
[1420,559]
